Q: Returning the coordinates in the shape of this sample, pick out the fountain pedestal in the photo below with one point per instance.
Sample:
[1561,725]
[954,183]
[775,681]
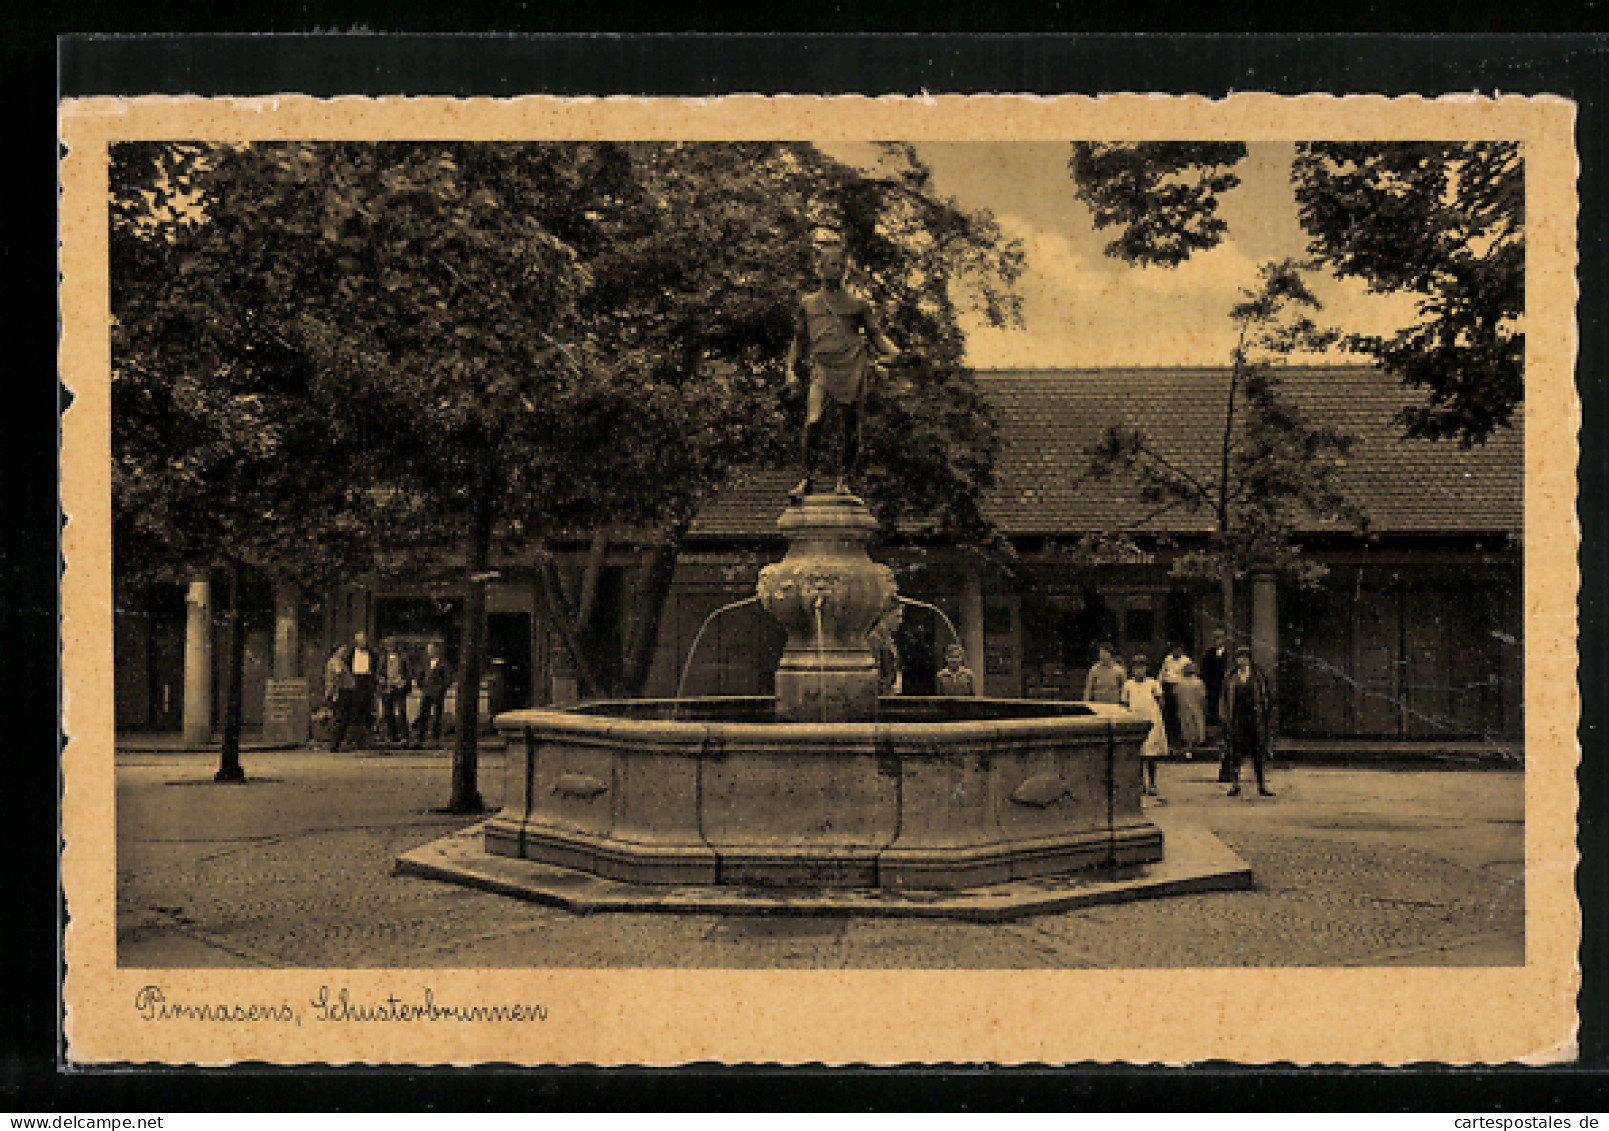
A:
[828,594]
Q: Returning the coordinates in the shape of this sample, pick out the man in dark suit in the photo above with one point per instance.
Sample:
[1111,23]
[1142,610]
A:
[1214,666]
[365,667]
[1248,714]
[433,683]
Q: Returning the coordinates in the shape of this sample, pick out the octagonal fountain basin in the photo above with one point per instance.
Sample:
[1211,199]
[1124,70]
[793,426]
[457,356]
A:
[934,794]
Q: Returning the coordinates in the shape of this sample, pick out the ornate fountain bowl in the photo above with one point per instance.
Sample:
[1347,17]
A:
[827,593]
[936,795]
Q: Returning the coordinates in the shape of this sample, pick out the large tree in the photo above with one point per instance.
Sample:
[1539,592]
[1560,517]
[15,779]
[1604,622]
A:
[529,341]
[711,272]
[1269,470]
[1441,221]
[225,458]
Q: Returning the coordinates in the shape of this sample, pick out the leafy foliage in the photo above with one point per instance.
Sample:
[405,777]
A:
[364,357]
[216,414]
[1445,221]
[1440,220]
[1162,194]
[1274,466]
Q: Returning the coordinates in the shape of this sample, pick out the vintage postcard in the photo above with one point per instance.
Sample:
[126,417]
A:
[987,578]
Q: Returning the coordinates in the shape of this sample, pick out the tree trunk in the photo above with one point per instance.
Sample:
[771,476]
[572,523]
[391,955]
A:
[229,769]
[1226,562]
[558,617]
[591,575]
[466,796]
[652,594]
[1226,583]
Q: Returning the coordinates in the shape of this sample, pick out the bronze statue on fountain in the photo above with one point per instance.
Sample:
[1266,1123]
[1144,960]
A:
[833,336]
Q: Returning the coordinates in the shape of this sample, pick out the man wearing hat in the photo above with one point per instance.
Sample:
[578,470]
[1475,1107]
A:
[1214,666]
[1246,707]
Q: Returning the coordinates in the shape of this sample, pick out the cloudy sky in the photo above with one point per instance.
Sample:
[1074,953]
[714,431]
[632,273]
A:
[1082,307]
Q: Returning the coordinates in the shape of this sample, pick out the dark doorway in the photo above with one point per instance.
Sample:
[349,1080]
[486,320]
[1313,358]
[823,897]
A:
[1057,643]
[600,635]
[917,640]
[166,658]
[508,648]
[1181,619]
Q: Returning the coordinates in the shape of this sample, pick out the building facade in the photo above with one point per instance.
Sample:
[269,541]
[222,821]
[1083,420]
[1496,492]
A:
[1415,632]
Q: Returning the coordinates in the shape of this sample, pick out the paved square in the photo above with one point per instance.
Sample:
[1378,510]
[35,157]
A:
[295,869]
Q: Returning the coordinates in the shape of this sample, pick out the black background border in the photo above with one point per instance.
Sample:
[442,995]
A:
[31,1078]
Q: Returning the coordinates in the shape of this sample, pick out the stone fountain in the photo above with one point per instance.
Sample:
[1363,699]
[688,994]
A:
[827,798]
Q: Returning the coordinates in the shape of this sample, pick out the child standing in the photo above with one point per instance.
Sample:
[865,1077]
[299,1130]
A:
[1106,678]
[433,684]
[880,638]
[1191,695]
[1246,707]
[1143,696]
[955,678]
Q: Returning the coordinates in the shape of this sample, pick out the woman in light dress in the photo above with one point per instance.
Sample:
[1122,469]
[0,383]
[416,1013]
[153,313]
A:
[1191,695]
[1143,695]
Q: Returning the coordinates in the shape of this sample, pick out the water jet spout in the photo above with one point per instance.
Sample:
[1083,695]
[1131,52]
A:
[821,662]
[687,665]
[954,635]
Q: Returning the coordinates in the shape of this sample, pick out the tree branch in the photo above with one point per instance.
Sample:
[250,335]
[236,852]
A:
[547,589]
[1173,469]
[590,574]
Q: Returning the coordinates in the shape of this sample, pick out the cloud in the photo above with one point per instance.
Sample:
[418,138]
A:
[1081,307]
[1084,308]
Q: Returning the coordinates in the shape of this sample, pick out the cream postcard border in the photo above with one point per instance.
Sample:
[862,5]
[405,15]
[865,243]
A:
[1354,1016]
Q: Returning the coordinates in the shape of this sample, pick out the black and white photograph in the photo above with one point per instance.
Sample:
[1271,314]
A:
[1132,555]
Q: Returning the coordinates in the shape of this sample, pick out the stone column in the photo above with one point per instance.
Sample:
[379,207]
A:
[541,680]
[286,710]
[287,632]
[1265,628]
[198,664]
[972,625]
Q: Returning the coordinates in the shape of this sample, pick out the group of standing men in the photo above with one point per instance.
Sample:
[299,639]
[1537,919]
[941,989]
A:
[357,678]
[1226,691]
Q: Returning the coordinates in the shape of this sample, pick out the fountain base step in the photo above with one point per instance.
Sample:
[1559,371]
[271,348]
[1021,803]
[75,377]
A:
[822,862]
[1196,861]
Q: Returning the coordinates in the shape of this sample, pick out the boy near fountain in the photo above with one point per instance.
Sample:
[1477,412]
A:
[1143,695]
[832,330]
[955,678]
[1106,678]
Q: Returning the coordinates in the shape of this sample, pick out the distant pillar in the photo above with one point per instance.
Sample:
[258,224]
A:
[972,625]
[198,664]
[287,634]
[286,710]
[541,680]
[1265,628]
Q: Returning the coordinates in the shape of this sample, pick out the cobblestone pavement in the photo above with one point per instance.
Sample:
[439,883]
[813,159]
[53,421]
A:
[294,869]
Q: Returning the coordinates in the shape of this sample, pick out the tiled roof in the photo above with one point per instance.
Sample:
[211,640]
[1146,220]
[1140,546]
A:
[1049,418]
